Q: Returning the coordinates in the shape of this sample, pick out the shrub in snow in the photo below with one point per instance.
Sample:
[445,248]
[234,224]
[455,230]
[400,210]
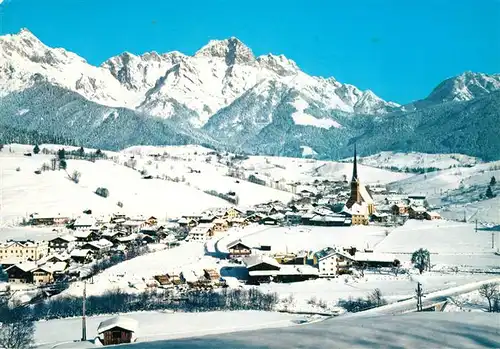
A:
[119,204]
[104,192]
[18,169]
[75,176]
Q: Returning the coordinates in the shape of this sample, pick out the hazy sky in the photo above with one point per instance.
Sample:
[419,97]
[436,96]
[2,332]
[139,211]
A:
[400,49]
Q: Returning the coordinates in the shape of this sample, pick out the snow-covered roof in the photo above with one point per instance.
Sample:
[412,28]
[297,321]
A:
[82,234]
[330,218]
[258,259]
[123,322]
[420,209]
[54,267]
[234,243]
[24,266]
[127,238]
[286,270]
[84,221]
[67,238]
[373,257]
[365,195]
[79,253]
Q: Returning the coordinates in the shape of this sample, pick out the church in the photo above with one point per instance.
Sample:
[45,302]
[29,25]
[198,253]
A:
[360,204]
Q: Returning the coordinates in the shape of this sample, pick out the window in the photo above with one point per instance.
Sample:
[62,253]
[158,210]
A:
[116,334]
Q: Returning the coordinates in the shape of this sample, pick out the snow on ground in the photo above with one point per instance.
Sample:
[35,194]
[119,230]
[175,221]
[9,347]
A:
[24,192]
[164,325]
[415,330]
[177,150]
[451,244]
[414,160]
[393,288]
[309,238]
[300,117]
[20,149]
[296,169]
[308,151]
[130,275]
[486,211]
[28,232]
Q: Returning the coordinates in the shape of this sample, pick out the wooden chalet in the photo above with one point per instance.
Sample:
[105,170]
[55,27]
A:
[117,330]
[417,212]
[238,248]
[20,273]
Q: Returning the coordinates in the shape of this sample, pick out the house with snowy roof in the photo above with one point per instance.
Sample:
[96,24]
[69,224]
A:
[20,273]
[118,330]
[61,244]
[23,249]
[81,256]
[47,272]
[84,222]
[238,248]
[201,232]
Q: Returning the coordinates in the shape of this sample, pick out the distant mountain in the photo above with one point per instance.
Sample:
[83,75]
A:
[225,97]
[188,88]
[53,110]
[463,87]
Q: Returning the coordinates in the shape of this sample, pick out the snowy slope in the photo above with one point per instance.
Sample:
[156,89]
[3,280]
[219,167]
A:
[416,330]
[155,326]
[418,160]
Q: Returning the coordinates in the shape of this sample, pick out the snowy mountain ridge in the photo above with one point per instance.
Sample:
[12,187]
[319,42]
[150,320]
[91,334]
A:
[173,84]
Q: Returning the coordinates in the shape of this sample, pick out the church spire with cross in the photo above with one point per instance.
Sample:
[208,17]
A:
[355,166]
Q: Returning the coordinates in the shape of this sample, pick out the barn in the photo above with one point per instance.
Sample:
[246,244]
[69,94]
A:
[117,330]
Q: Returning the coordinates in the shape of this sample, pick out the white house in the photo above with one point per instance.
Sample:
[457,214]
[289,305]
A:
[334,263]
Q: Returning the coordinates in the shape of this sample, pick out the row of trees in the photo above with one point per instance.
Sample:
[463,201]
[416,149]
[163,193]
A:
[117,301]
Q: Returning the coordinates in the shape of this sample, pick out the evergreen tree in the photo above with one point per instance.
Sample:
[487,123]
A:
[36,149]
[61,154]
[421,259]
[62,164]
[81,152]
[489,193]
[493,181]
[98,153]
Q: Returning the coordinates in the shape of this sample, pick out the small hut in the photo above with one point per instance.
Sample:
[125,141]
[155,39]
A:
[117,330]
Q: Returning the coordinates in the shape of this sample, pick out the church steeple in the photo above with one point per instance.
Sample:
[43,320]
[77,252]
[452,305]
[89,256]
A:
[355,166]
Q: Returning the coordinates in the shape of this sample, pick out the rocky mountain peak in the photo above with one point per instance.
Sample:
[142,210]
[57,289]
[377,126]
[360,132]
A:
[465,87]
[232,50]
[279,64]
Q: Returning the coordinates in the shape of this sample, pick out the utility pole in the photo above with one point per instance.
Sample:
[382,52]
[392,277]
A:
[419,293]
[84,320]
[476,225]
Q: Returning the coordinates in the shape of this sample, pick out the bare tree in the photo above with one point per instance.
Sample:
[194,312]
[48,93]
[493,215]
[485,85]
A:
[17,335]
[421,259]
[489,291]
[75,176]
[376,298]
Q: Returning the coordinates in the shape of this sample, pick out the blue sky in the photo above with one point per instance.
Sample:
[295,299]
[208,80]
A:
[400,49]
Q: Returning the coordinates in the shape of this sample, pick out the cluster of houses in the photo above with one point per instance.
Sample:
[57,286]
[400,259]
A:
[263,266]
[79,242]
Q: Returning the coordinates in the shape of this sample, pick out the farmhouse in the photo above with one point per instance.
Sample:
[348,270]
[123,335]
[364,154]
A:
[416,200]
[335,263]
[83,236]
[81,256]
[417,212]
[61,244]
[46,273]
[238,248]
[37,219]
[84,222]
[266,269]
[201,232]
[432,215]
[117,330]
[20,273]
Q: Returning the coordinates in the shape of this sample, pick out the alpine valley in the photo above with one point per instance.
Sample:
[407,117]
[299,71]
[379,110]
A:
[226,98]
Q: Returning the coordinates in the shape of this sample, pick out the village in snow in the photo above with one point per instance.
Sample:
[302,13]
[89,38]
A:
[162,243]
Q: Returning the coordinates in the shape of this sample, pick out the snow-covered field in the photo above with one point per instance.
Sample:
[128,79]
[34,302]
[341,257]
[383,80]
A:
[416,330]
[418,160]
[155,326]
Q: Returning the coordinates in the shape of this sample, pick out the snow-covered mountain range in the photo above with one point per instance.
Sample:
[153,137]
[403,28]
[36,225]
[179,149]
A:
[223,95]
[169,84]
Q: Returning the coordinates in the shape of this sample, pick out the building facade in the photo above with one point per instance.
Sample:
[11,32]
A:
[23,249]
